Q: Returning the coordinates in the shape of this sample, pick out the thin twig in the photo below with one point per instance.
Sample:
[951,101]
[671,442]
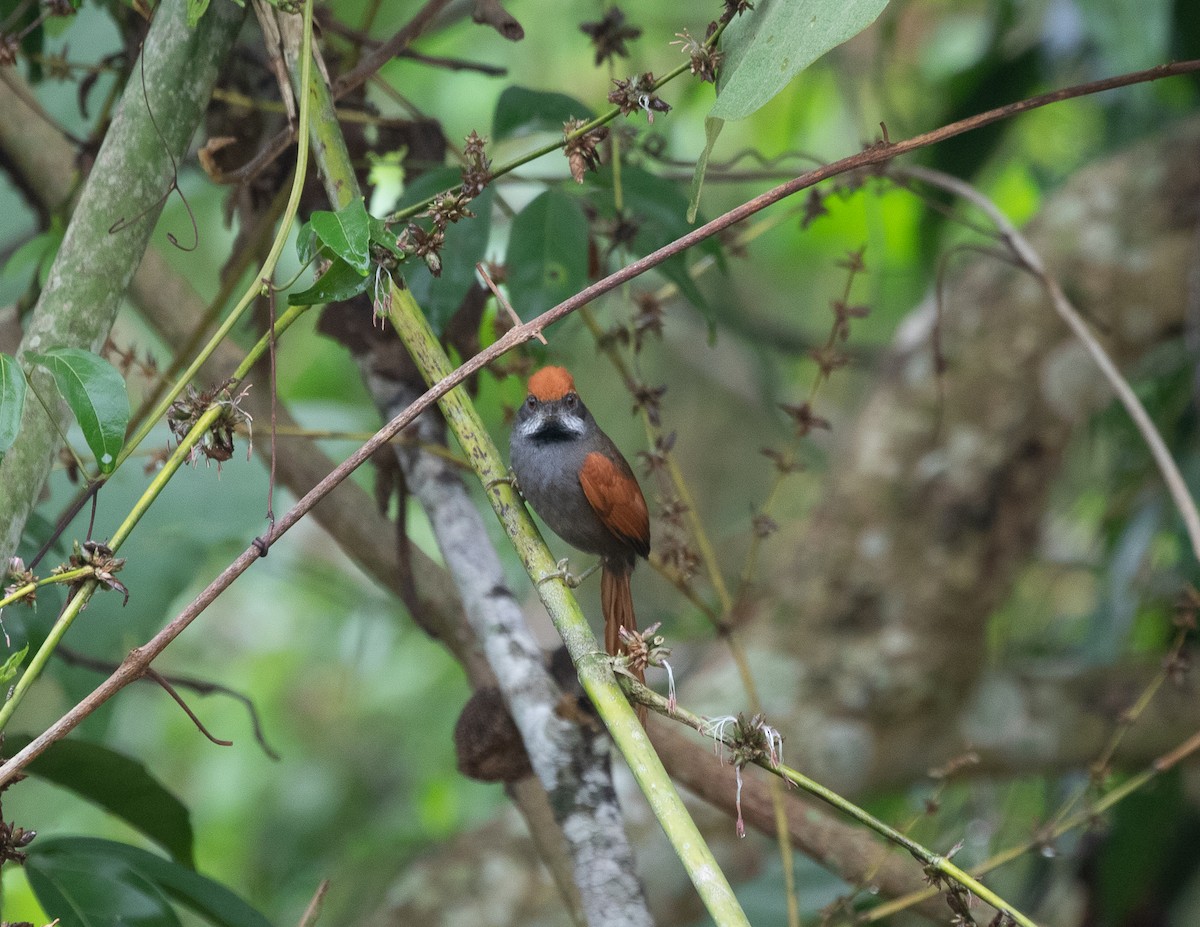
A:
[155,676]
[199,686]
[313,911]
[481,269]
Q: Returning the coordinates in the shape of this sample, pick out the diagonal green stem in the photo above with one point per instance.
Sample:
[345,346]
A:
[177,459]
[928,858]
[182,453]
[551,147]
[160,107]
[595,668]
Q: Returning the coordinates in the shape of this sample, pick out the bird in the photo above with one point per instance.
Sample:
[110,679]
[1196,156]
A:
[576,479]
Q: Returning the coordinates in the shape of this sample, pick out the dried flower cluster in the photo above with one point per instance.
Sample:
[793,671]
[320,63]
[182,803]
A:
[643,649]
[706,58]
[425,244]
[448,208]
[10,47]
[637,93]
[18,576]
[746,741]
[735,8]
[104,563]
[478,170]
[581,152]
[217,443]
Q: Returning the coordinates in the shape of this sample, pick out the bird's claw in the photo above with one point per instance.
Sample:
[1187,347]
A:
[572,580]
[510,479]
[561,572]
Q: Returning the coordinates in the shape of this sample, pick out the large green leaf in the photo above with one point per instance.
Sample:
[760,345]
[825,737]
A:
[12,401]
[347,233]
[521,110]
[340,281]
[660,211]
[769,45]
[96,394]
[34,258]
[547,253]
[195,10]
[120,785]
[66,865]
[81,889]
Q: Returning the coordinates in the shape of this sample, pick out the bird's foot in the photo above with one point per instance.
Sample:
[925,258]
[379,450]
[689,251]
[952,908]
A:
[561,572]
[510,479]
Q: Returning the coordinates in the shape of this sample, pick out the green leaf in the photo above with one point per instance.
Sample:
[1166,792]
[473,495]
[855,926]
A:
[96,394]
[117,783]
[89,856]
[340,281]
[195,9]
[347,233]
[384,237]
[34,258]
[12,401]
[547,253]
[81,889]
[520,111]
[660,211]
[307,243]
[768,46]
[10,666]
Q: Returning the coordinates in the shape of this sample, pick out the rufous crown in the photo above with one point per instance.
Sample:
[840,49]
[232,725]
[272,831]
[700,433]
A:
[551,383]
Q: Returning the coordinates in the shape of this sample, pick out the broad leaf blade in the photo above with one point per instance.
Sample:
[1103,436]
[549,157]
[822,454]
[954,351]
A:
[195,10]
[120,785]
[79,888]
[660,212]
[521,110]
[207,898]
[96,394]
[347,233]
[12,401]
[768,46]
[547,253]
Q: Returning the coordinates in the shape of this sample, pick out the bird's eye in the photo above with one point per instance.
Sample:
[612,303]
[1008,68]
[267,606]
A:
[570,400]
[530,402]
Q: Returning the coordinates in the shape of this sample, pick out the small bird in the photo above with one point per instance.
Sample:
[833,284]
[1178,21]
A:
[583,488]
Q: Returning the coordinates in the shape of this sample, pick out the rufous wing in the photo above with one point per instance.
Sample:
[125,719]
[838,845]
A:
[614,494]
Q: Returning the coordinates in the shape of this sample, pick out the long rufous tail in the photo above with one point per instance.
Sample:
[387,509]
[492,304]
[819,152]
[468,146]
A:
[616,601]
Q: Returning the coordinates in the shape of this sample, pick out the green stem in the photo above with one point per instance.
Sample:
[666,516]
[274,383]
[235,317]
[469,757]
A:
[551,147]
[206,420]
[595,669]
[928,858]
[150,131]
[68,576]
